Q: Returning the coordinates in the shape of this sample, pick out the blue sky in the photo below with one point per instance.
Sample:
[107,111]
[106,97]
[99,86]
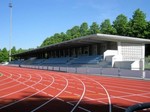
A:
[34,20]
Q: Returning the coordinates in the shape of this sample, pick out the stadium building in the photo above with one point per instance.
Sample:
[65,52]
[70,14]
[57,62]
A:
[100,50]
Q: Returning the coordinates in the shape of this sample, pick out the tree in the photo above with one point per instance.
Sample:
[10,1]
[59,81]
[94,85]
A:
[107,28]
[57,38]
[63,36]
[147,31]
[4,55]
[138,24]
[68,35]
[75,32]
[13,50]
[45,42]
[84,29]
[94,28]
[121,24]
[20,50]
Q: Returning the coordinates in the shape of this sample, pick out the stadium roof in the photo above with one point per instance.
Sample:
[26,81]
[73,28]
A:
[89,39]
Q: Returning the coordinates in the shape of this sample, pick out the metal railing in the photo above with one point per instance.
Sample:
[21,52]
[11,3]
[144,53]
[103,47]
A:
[116,72]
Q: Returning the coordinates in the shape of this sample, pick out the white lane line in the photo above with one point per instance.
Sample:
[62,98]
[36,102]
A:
[141,95]
[71,87]
[66,102]
[54,97]
[79,107]
[90,99]
[120,107]
[7,77]
[10,81]
[108,96]
[131,100]
[128,93]
[139,90]
[62,99]
[84,109]
[21,89]
[29,95]
[91,91]
[68,92]
[83,93]
[90,86]
[138,86]
[79,88]
[15,84]
[121,97]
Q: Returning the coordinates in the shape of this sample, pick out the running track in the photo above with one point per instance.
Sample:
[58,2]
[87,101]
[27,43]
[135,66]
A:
[30,90]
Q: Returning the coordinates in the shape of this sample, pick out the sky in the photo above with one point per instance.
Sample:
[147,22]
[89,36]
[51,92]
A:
[35,20]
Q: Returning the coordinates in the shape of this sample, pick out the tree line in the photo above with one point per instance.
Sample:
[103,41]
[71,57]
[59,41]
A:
[137,26]
[4,53]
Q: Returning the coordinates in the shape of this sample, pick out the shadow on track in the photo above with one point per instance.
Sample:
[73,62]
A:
[56,105]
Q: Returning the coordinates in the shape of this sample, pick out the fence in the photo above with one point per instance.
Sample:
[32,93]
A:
[117,72]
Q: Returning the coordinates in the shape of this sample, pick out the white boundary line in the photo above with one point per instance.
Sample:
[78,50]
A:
[10,81]
[83,93]
[15,84]
[108,96]
[140,85]
[21,89]
[51,98]
[30,95]
[6,78]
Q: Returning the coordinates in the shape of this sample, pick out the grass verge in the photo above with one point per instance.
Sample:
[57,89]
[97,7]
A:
[1,74]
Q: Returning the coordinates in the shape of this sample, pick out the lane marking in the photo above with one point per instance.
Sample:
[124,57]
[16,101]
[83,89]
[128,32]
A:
[6,78]
[14,85]
[113,105]
[29,95]
[108,96]
[21,89]
[54,97]
[83,93]
[138,85]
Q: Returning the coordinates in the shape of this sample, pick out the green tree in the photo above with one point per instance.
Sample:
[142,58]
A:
[20,50]
[4,55]
[121,24]
[45,42]
[75,32]
[138,24]
[94,28]
[13,50]
[63,36]
[107,28]
[58,38]
[147,31]
[84,29]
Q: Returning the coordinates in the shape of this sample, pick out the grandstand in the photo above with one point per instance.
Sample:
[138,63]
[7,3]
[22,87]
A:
[99,50]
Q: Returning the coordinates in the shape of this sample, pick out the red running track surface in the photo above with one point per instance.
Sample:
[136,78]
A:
[30,90]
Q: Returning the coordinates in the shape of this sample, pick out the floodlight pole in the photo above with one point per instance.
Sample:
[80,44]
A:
[10,33]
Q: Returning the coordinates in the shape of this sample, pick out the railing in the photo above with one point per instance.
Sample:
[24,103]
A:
[116,72]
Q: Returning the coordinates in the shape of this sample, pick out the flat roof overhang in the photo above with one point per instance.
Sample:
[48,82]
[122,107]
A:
[87,40]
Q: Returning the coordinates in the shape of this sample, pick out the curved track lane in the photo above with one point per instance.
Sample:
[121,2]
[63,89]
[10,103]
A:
[29,90]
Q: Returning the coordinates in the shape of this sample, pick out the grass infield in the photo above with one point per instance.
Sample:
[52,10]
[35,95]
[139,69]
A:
[1,74]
